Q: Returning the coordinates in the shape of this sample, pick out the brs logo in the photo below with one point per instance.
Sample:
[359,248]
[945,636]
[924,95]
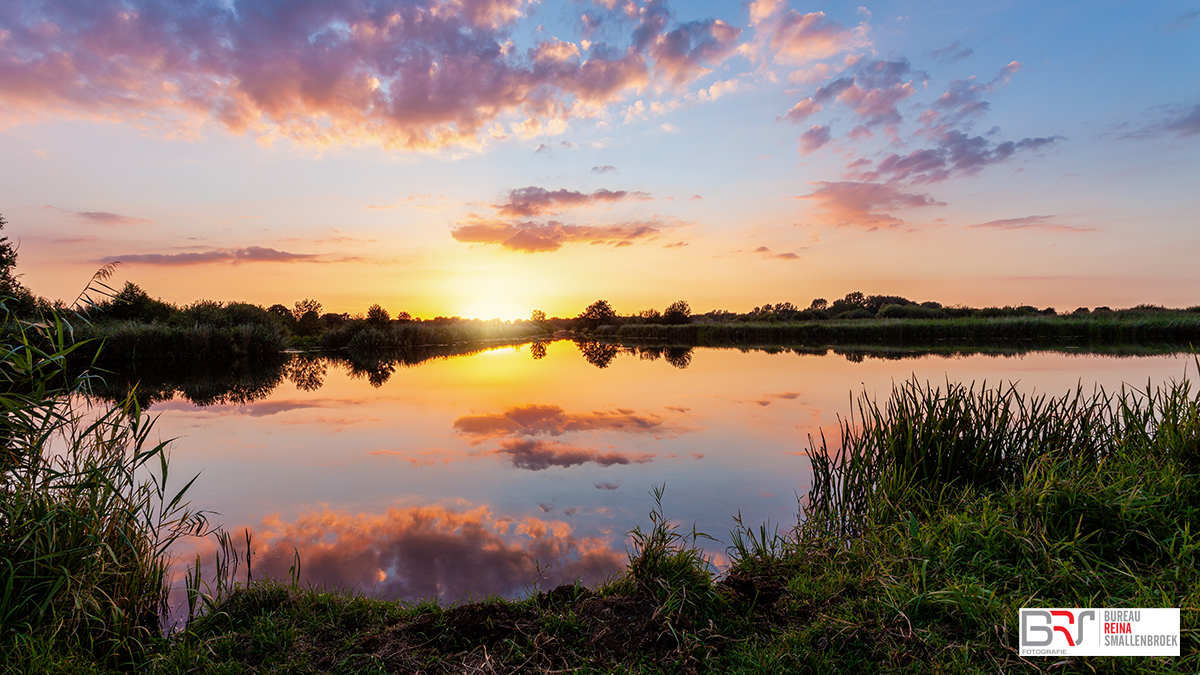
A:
[1038,626]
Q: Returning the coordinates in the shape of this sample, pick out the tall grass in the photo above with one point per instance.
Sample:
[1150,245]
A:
[133,340]
[925,443]
[86,515]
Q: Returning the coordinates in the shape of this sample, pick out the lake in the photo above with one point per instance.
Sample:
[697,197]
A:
[517,467]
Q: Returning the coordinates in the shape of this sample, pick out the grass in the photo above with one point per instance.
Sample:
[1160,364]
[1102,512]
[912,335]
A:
[134,340]
[86,514]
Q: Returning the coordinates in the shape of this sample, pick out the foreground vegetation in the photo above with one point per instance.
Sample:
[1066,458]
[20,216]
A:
[85,514]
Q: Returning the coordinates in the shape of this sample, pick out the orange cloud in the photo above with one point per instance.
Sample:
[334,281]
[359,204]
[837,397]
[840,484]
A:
[529,237]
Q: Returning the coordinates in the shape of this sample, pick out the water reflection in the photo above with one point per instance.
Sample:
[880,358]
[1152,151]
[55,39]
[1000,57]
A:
[245,380]
[421,552]
[537,350]
[599,354]
[516,425]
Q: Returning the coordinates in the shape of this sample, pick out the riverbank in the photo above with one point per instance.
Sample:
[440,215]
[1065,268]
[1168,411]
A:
[1088,331]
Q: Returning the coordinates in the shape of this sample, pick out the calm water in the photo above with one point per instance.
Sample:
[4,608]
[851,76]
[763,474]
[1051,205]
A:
[472,475]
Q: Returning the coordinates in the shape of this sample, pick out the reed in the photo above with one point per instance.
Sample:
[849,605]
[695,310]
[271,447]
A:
[132,340]
[1093,329]
[86,514]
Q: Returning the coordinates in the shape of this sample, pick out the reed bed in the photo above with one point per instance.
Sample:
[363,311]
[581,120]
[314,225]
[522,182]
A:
[364,337]
[86,516]
[132,340]
[1178,328]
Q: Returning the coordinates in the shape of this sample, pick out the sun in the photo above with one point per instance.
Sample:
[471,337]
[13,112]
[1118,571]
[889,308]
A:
[494,308]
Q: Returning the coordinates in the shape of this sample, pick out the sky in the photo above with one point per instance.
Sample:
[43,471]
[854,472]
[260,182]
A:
[485,158]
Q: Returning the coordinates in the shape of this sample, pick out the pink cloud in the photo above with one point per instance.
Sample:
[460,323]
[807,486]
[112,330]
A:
[680,55]
[1032,222]
[536,201]
[554,421]
[106,218]
[414,553]
[855,204]
[537,455]
[423,74]
[236,256]
[814,139]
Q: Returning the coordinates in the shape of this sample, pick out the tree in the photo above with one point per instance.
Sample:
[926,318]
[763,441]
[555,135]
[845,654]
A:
[598,313]
[23,301]
[378,316]
[309,324]
[285,316]
[677,312]
[537,316]
[650,315]
[304,307]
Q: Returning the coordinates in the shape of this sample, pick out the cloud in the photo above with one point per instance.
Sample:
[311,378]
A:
[956,154]
[414,553]
[792,37]
[1182,120]
[537,201]
[537,455]
[607,486]
[783,396]
[106,218]
[236,256]
[552,420]
[962,99]
[1185,124]
[529,237]
[952,53]
[813,139]
[1183,21]
[411,75]
[767,253]
[680,55]
[856,204]
[604,169]
[872,91]
[1032,222]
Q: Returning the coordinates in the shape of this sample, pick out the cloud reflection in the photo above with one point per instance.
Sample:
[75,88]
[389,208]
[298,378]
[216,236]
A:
[431,551]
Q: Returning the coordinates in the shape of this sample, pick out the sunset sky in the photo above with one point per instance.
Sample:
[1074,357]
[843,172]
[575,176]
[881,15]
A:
[489,157]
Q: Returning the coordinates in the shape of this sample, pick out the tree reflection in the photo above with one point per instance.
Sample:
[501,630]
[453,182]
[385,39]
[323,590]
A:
[306,371]
[599,354]
[680,357]
[537,350]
